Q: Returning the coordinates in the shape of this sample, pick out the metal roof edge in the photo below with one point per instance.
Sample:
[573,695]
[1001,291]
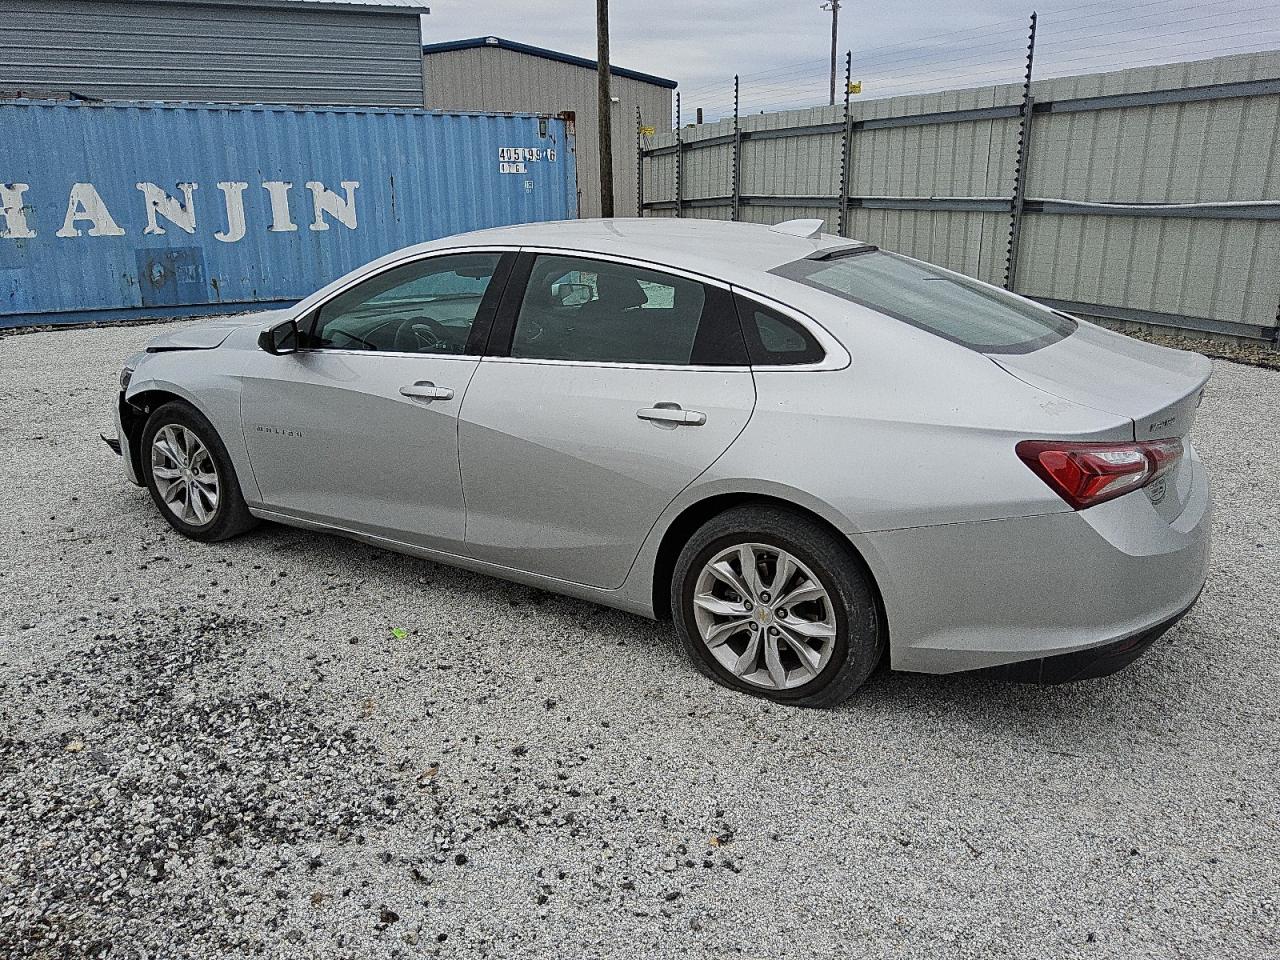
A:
[407,8]
[472,43]
[100,104]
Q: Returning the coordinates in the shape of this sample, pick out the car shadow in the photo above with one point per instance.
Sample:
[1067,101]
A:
[964,699]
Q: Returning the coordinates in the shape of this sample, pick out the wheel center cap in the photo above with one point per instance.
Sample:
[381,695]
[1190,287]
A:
[763,614]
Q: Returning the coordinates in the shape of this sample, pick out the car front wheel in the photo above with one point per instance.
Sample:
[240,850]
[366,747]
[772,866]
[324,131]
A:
[770,602]
[190,476]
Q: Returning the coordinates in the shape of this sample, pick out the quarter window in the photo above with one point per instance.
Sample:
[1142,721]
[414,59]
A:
[774,339]
[427,306]
[587,310]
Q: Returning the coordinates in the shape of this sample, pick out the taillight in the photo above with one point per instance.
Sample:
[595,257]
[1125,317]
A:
[1086,474]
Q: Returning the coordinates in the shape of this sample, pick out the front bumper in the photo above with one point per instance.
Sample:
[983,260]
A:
[1066,593]
[121,444]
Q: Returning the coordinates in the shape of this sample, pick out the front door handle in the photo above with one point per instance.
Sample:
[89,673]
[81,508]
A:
[671,413]
[425,390]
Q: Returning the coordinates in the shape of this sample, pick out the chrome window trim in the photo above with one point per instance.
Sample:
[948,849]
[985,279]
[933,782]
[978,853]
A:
[342,351]
[630,262]
[614,364]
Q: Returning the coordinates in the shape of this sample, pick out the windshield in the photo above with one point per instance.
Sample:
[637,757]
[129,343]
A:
[953,307]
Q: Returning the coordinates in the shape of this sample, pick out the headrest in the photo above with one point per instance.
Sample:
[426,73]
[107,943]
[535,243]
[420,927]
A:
[619,292]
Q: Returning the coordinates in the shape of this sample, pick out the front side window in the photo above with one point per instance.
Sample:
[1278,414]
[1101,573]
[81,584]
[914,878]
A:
[576,308]
[427,306]
[953,307]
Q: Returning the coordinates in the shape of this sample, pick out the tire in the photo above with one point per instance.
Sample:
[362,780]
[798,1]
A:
[198,517]
[847,608]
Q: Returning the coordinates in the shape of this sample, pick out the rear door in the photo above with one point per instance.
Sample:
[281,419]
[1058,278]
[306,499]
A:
[360,428]
[608,387]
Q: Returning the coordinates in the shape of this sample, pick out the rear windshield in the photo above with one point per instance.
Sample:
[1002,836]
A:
[953,307]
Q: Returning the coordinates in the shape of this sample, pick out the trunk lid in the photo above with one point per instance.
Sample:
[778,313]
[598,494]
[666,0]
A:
[1157,388]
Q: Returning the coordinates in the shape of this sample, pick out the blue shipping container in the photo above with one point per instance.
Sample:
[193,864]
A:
[113,211]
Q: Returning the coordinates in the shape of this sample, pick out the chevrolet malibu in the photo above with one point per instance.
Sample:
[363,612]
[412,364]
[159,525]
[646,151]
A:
[809,453]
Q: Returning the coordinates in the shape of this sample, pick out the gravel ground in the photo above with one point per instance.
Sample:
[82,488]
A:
[291,745]
[1223,348]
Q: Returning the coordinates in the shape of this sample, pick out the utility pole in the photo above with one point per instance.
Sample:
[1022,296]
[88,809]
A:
[604,108]
[834,7]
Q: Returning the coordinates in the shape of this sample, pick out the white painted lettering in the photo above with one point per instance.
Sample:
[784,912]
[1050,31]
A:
[160,204]
[87,212]
[278,191]
[84,203]
[14,214]
[233,191]
[326,201]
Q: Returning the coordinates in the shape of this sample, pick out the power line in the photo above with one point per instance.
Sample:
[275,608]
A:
[1126,8]
[1169,46]
[918,65]
[1093,22]
[1137,40]
[950,38]
[794,68]
[951,35]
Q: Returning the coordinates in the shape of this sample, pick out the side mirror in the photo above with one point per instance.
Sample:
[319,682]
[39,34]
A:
[281,339]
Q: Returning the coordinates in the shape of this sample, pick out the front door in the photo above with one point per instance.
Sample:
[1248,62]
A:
[360,427]
[620,385]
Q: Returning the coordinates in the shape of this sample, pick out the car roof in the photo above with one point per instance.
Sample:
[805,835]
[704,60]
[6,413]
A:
[737,253]
[717,248]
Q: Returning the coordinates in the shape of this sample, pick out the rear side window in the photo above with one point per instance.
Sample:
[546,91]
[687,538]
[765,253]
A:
[953,307]
[596,311]
[774,339]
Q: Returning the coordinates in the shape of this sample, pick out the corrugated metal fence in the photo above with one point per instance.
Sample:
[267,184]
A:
[119,210]
[1151,195]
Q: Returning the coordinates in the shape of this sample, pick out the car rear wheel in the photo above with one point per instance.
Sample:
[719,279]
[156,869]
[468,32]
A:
[190,476]
[768,601]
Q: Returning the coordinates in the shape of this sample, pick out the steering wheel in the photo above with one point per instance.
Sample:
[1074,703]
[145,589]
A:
[530,330]
[431,333]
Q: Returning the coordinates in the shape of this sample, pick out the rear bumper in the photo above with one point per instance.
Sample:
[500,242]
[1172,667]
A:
[1086,664]
[1071,593]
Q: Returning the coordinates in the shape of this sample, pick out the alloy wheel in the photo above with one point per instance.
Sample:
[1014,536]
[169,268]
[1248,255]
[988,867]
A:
[764,616]
[184,474]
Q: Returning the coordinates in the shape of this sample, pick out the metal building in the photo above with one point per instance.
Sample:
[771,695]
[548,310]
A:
[240,51]
[490,73]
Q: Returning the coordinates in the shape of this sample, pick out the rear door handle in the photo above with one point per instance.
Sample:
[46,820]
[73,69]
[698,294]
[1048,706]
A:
[671,413]
[425,390]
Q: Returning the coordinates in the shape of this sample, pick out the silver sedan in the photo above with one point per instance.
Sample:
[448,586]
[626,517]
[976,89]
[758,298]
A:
[812,455]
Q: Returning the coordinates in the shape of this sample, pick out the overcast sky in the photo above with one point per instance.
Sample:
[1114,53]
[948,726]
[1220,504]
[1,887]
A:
[781,48]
